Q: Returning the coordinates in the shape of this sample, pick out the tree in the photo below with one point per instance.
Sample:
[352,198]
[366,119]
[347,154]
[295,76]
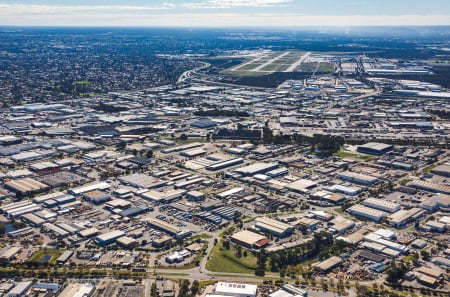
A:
[238,251]
[395,273]
[194,288]
[261,258]
[184,288]
[425,255]
[226,244]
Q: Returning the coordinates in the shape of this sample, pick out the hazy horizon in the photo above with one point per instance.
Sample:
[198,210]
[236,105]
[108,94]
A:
[224,13]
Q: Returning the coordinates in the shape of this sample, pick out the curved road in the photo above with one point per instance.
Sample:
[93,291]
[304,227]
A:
[187,74]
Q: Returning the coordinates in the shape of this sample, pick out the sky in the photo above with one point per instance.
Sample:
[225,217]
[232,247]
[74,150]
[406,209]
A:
[224,13]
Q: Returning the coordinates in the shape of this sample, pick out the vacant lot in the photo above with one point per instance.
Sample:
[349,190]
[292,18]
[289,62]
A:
[223,260]
[46,256]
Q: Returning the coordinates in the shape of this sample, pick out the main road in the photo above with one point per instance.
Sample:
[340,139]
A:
[187,74]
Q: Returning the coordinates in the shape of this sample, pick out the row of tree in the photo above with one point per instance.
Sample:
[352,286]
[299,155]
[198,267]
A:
[324,145]
[187,290]
[322,246]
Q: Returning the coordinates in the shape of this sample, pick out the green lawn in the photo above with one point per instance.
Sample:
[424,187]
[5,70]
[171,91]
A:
[326,67]
[203,284]
[345,154]
[250,66]
[81,83]
[222,260]
[428,169]
[40,256]
[275,67]
[200,236]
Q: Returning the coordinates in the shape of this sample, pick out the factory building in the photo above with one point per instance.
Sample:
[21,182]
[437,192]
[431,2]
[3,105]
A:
[397,165]
[351,191]
[442,262]
[164,197]
[33,219]
[340,225]
[375,148]
[328,264]
[278,172]
[88,188]
[193,153]
[230,192]
[380,240]
[224,164]
[64,257]
[10,140]
[108,238]
[126,242]
[96,196]
[20,209]
[25,186]
[20,289]
[134,211]
[86,233]
[195,195]
[10,254]
[174,258]
[436,202]
[328,197]
[249,239]
[256,168]
[187,183]
[167,228]
[301,185]
[294,290]
[274,227]
[403,217]
[142,181]
[381,204]
[367,212]
[429,186]
[235,290]
[443,170]
[357,178]
[78,290]
[182,148]
[55,229]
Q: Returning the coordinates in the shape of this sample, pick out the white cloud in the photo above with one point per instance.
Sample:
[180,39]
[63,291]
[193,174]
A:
[169,14]
[64,9]
[219,4]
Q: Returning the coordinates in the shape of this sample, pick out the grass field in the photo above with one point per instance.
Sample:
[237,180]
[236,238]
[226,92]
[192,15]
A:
[275,67]
[203,284]
[222,260]
[46,256]
[346,154]
[80,83]
[326,67]
[247,67]
[428,169]
[307,66]
[279,62]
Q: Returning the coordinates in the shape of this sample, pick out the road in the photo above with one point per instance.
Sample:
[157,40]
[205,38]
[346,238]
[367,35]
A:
[298,62]
[187,74]
[249,62]
[270,62]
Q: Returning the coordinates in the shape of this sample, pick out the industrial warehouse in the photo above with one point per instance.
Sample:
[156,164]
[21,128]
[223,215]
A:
[309,181]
